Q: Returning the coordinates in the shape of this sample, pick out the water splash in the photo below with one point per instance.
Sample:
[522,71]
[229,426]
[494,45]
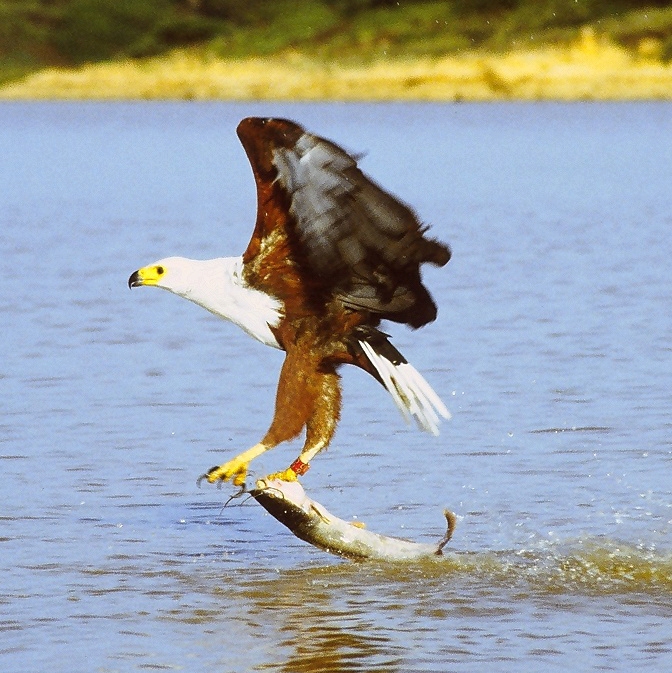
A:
[584,566]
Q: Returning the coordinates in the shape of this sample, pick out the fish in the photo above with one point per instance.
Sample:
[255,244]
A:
[310,521]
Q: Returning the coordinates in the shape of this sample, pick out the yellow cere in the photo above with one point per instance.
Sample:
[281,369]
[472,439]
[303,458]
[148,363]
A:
[150,275]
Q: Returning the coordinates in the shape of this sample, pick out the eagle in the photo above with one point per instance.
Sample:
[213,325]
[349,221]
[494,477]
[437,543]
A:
[331,256]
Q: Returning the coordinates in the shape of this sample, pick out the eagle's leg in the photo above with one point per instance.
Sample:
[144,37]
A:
[294,403]
[320,426]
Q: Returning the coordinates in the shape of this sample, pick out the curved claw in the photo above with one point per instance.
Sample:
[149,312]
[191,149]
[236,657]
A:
[238,494]
[205,476]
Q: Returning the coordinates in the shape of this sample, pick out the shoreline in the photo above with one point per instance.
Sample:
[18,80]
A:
[590,69]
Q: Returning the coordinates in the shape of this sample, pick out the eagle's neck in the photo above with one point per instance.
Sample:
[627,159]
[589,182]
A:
[218,286]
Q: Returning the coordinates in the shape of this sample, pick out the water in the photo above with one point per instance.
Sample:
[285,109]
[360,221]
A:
[552,350]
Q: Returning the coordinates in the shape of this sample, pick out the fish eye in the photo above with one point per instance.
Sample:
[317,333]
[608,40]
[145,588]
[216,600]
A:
[160,270]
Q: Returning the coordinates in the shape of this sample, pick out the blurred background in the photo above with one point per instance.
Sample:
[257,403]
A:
[35,34]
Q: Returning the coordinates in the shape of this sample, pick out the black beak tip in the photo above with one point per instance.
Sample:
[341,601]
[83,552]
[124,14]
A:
[134,280]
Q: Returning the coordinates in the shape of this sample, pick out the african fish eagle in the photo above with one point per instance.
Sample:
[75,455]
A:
[332,254]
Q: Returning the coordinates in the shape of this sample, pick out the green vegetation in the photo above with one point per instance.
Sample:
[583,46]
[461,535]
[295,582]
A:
[38,33]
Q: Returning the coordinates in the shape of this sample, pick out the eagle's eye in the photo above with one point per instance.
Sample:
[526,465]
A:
[159,270]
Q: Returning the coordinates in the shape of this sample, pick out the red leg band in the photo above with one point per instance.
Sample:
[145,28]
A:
[299,467]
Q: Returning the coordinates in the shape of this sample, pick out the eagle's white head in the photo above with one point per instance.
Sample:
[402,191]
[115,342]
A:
[189,278]
[218,286]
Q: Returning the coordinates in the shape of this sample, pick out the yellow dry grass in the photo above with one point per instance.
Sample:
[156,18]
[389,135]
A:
[591,69]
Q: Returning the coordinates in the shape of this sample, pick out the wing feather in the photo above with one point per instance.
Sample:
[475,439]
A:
[355,240]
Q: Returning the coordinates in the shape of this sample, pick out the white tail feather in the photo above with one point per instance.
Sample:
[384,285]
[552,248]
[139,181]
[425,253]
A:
[413,396]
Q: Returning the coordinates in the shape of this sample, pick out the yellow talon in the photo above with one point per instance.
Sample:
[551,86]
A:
[235,469]
[285,475]
[239,478]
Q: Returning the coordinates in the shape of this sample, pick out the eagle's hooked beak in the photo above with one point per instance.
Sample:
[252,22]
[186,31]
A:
[135,280]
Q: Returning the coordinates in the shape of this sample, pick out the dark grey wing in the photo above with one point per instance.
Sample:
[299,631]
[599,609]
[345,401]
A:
[357,238]
[350,238]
